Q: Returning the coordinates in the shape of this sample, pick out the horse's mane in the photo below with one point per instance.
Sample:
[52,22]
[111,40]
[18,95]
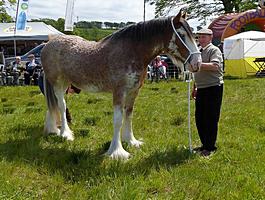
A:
[141,31]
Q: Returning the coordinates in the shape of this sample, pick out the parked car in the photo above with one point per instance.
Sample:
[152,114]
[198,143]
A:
[24,58]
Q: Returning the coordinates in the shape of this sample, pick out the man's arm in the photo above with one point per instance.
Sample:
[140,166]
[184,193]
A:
[209,67]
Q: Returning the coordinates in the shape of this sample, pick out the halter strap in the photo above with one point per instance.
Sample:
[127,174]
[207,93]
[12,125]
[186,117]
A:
[181,40]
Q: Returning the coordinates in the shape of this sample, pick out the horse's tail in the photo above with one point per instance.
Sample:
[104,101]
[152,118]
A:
[51,99]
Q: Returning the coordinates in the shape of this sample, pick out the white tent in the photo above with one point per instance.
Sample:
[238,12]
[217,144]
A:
[34,31]
[241,50]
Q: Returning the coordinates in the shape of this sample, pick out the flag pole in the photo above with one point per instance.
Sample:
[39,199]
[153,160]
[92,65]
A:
[15,30]
[144,10]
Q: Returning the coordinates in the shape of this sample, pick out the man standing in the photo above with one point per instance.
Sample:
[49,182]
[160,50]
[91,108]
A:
[208,92]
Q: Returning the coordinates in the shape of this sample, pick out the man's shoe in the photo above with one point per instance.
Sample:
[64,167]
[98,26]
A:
[205,153]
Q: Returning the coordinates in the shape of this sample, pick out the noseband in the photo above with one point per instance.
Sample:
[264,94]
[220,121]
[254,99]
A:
[181,40]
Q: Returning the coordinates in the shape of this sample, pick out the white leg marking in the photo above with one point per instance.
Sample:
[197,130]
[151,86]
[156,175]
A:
[116,150]
[65,130]
[127,132]
[50,124]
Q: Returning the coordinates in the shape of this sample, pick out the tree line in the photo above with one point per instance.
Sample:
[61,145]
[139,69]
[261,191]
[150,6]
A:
[202,10]
[95,30]
[195,8]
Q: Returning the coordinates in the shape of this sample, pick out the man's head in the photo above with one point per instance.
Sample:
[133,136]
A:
[158,57]
[205,36]
[18,59]
[31,56]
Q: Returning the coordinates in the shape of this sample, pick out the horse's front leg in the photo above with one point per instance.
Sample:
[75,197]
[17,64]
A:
[127,132]
[116,150]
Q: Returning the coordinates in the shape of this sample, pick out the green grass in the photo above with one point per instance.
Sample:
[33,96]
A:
[34,166]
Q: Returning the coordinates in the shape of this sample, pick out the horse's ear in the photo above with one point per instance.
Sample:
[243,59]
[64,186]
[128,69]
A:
[184,15]
[177,18]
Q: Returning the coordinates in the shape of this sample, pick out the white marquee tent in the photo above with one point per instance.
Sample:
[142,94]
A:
[241,50]
[34,31]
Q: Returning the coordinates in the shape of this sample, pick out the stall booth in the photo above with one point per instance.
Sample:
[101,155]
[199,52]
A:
[244,54]
[34,34]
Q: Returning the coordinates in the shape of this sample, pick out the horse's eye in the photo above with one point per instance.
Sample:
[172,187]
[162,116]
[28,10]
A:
[182,36]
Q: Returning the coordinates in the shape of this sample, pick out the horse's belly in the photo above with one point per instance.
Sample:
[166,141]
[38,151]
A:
[92,88]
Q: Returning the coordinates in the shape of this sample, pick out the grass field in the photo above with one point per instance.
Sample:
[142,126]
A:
[34,166]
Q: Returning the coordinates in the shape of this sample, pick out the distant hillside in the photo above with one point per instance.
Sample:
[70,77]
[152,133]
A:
[94,34]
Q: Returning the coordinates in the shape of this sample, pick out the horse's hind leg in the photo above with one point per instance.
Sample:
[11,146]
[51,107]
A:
[116,150]
[127,132]
[65,130]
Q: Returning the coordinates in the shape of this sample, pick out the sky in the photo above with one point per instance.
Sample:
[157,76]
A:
[88,10]
[99,10]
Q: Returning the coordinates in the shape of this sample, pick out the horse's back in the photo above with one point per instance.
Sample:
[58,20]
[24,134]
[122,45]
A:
[66,44]
[63,53]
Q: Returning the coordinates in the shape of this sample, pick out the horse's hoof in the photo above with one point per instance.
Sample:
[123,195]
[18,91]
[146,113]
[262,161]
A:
[136,143]
[68,135]
[69,138]
[51,131]
[118,154]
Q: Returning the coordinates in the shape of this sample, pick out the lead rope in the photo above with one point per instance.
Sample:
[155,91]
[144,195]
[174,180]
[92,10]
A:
[188,78]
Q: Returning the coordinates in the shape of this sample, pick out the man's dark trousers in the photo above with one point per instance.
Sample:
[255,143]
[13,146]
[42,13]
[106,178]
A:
[208,106]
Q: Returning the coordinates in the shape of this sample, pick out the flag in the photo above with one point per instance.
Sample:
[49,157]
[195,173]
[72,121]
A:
[22,13]
[69,13]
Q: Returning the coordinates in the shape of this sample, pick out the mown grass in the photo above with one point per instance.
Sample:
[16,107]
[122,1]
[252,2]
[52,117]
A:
[34,166]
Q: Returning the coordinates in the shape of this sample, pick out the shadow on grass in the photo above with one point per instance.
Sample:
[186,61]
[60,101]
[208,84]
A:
[52,154]
[171,158]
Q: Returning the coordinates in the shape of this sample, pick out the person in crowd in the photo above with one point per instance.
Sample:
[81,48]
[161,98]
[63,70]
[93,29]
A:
[158,68]
[16,68]
[163,68]
[31,67]
[3,75]
[208,92]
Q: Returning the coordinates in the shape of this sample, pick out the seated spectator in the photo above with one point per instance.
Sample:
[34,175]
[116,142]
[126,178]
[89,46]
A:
[16,69]
[159,69]
[3,75]
[31,67]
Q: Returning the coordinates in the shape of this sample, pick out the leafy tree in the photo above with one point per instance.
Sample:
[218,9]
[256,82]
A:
[96,24]
[4,5]
[83,24]
[202,9]
[59,24]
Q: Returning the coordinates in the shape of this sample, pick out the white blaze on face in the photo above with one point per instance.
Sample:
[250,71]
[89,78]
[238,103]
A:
[195,59]
[173,46]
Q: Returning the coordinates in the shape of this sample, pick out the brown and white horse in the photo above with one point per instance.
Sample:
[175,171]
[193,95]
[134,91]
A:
[116,64]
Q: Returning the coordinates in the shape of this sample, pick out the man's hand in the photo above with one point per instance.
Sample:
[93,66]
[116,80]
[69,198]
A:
[194,93]
[193,69]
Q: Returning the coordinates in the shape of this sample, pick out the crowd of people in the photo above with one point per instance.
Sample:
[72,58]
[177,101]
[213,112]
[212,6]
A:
[18,73]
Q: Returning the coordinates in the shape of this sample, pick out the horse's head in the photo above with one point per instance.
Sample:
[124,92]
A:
[182,46]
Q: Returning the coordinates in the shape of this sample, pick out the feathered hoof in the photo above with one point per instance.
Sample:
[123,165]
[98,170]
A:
[135,143]
[132,141]
[52,131]
[68,135]
[117,154]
